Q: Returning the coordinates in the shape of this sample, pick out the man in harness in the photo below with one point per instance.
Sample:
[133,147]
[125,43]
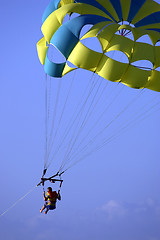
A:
[51,196]
[50,200]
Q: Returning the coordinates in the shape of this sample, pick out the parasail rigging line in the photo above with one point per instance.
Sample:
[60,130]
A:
[101,115]
[46,120]
[83,124]
[80,113]
[19,200]
[53,121]
[74,138]
[139,117]
[49,98]
[106,141]
[90,109]
[127,33]
[123,128]
[116,117]
[141,111]
[73,119]
[98,99]
[55,111]
[132,123]
[61,116]
[99,118]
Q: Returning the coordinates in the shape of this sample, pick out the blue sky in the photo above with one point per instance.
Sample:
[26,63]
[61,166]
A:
[113,193]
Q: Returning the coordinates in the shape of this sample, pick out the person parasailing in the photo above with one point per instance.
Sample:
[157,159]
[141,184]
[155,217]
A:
[50,200]
[51,197]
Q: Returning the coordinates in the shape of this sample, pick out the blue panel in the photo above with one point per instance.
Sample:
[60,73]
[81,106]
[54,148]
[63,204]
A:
[154,29]
[53,69]
[67,36]
[97,5]
[64,40]
[76,24]
[134,8]
[50,8]
[117,6]
[151,19]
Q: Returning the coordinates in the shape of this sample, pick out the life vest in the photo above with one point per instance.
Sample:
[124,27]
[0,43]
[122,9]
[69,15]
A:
[52,196]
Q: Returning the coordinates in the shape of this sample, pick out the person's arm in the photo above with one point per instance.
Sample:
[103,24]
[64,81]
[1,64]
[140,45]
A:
[44,197]
[58,195]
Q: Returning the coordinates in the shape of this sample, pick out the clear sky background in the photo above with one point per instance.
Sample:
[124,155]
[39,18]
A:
[112,194]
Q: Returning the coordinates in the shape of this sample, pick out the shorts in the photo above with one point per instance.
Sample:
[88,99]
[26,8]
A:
[50,207]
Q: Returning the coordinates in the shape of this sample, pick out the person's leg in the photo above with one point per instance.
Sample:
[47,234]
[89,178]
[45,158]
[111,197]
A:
[41,210]
[46,211]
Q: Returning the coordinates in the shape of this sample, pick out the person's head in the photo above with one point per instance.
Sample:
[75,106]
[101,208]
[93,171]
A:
[49,189]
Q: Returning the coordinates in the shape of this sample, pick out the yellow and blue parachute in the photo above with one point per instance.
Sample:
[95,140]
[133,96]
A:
[117,26]
[140,17]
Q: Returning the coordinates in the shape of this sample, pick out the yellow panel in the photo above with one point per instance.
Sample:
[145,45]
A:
[157,57]
[125,8]
[122,44]
[148,7]
[83,57]
[42,49]
[107,34]
[154,25]
[124,26]
[154,36]
[135,77]
[64,2]
[143,51]
[108,6]
[154,81]
[67,69]
[93,32]
[50,26]
[55,19]
[80,8]
[137,33]
[111,69]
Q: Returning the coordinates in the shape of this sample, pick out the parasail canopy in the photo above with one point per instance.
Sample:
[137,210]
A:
[107,18]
